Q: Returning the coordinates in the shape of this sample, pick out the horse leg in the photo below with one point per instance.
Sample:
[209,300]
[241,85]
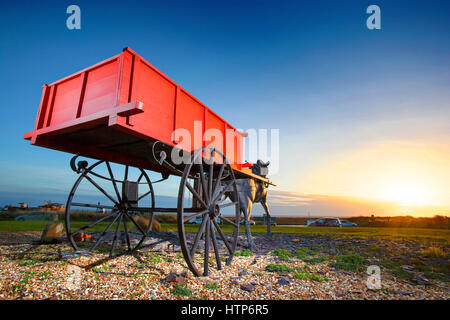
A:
[246,213]
[266,209]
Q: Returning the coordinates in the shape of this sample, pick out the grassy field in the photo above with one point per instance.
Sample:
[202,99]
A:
[417,234]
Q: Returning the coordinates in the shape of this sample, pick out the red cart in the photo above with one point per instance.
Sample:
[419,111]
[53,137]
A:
[126,113]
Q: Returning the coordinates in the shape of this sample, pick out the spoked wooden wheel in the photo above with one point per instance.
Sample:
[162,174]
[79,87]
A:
[214,183]
[107,206]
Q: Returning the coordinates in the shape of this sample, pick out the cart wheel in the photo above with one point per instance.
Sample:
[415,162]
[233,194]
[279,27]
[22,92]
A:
[215,183]
[99,214]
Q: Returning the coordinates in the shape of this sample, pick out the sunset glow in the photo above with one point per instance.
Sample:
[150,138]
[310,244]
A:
[408,194]
[408,174]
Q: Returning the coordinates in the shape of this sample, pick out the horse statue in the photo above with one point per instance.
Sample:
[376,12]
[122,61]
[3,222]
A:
[253,191]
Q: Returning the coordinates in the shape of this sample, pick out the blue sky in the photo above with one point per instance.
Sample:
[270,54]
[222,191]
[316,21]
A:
[309,68]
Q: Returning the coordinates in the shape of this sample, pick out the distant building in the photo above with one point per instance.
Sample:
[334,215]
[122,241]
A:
[262,219]
[52,206]
[23,205]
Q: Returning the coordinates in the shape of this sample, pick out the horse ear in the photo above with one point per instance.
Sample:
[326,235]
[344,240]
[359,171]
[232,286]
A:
[267,164]
[259,163]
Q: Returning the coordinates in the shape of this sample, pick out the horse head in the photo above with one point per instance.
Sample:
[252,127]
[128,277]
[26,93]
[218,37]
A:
[261,168]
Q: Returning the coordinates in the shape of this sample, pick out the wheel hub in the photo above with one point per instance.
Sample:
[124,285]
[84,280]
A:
[214,210]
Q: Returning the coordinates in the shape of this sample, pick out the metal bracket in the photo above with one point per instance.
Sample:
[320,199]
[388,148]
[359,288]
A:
[78,167]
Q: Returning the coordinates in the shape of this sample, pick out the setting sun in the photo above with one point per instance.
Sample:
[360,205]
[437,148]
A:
[406,174]
[408,194]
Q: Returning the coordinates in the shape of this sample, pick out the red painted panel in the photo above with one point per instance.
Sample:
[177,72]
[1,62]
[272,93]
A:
[101,88]
[43,107]
[214,131]
[65,102]
[189,111]
[158,96]
[126,77]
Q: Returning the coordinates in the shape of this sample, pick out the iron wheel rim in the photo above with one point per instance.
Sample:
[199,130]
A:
[214,198]
[119,212]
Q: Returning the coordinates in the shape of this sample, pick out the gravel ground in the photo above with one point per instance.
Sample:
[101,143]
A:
[30,271]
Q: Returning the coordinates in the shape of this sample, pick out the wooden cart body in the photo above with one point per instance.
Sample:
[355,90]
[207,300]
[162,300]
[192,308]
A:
[112,110]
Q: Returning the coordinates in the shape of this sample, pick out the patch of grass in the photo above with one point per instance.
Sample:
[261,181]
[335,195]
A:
[181,290]
[310,256]
[279,268]
[25,280]
[437,276]
[283,254]
[303,253]
[135,294]
[318,247]
[318,277]
[401,273]
[16,287]
[101,269]
[30,272]
[374,248]
[351,262]
[212,286]
[442,267]
[434,252]
[154,258]
[28,263]
[139,265]
[414,234]
[301,275]
[243,253]
[305,275]
[44,275]
[389,264]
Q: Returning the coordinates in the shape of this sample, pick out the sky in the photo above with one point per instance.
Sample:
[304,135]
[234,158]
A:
[363,114]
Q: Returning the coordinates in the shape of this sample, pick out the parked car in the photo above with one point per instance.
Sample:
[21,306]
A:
[198,220]
[346,223]
[273,221]
[44,216]
[326,222]
[251,222]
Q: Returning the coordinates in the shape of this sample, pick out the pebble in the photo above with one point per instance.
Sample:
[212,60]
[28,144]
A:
[243,273]
[283,281]
[175,277]
[403,293]
[247,287]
